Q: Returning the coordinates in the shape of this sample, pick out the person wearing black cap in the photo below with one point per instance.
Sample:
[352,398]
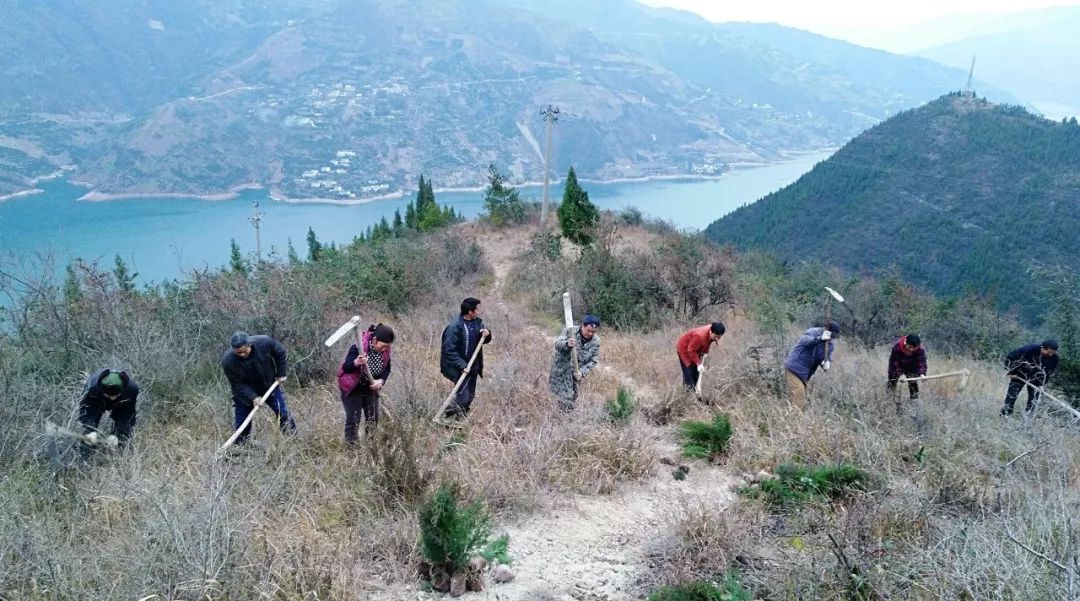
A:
[1031,366]
[252,364]
[692,347]
[806,356]
[908,358]
[563,381]
[113,391]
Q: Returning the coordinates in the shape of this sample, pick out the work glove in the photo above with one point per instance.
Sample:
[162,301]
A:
[701,368]
[570,343]
[578,376]
[92,437]
[826,365]
[826,335]
[282,379]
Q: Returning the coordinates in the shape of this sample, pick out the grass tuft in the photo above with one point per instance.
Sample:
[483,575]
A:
[706,440]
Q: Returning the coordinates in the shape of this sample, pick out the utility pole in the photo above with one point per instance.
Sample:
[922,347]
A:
[256,220]
[550,116]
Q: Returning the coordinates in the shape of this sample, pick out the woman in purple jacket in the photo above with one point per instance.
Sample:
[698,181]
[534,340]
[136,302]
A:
[361,376]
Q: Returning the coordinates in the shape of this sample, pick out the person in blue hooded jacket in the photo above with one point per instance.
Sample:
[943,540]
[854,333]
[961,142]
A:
[806,356]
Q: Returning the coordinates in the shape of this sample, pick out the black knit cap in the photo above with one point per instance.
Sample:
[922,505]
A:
[1050,344]
[239,339]
[913,339]
[833,327]
[717,328]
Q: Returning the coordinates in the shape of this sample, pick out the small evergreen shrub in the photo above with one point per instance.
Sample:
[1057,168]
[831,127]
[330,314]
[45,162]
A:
[631,216]
[620,408]
[451,532]
[578,216]
[706,440]
[727,589]
[797,484]
[503,204]
[498,551]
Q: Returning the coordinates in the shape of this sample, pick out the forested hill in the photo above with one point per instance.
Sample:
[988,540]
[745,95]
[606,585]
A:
[959,194]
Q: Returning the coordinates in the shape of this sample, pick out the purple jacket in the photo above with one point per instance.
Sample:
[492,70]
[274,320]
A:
[807,354]
[350,377]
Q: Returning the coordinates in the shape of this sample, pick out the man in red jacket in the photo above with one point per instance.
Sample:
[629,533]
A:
[692,347]
[908,358]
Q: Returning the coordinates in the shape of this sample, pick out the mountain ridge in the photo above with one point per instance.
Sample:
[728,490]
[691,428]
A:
[958,195]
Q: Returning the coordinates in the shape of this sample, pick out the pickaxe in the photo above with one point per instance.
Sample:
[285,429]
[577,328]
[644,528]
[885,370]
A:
[963,373]
[568,316]
[91,439]
[258,403]
[464,374]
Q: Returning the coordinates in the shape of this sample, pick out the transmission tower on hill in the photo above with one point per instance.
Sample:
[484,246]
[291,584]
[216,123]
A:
[969,90]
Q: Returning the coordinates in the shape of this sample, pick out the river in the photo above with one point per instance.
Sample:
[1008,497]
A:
[162,238]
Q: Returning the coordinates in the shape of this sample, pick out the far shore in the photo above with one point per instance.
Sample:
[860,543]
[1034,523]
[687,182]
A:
[21,193]
[95,196]
[277,195]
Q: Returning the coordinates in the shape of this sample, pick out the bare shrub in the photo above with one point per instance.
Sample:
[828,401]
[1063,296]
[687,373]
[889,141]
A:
[594,459]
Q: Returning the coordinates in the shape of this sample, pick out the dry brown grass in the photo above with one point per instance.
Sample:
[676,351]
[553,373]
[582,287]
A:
[937,524]
[308,518]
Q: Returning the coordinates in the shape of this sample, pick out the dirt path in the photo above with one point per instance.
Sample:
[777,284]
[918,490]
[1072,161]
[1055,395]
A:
[593,548]
[596,548]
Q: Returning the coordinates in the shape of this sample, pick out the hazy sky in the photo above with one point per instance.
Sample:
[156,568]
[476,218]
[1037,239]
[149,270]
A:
[859,21]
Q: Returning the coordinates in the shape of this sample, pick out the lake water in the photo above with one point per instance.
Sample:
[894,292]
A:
[162,238]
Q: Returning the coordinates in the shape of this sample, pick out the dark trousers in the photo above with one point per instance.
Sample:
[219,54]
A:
[913,387]
[276,403]
[690,375]
[1015,386]
[360,405]
[463,399]
[122,413]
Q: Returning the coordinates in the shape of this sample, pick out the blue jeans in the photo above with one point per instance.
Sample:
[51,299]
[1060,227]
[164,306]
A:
[276,403]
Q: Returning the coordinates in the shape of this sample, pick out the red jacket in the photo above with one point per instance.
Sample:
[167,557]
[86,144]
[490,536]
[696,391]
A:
[693,344]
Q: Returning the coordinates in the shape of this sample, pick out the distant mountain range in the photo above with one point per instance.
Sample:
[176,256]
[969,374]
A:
[341,100]
[959,195]
[1034,55]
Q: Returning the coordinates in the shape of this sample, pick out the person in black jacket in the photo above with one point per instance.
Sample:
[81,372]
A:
[361,378]
[113,391]
[459,340]
[252,365]
[1029,366]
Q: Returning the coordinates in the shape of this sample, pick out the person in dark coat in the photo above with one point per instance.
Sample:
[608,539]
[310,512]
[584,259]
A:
[362,376]
[252,364]
[112,391]
[805,357]
[908,358]
[1029,366]
[459,340]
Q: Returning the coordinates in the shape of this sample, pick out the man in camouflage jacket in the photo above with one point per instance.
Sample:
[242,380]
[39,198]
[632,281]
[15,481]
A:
[564,381]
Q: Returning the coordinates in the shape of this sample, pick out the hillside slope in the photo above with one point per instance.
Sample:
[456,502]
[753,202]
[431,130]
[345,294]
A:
[959,194]
[596,508]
